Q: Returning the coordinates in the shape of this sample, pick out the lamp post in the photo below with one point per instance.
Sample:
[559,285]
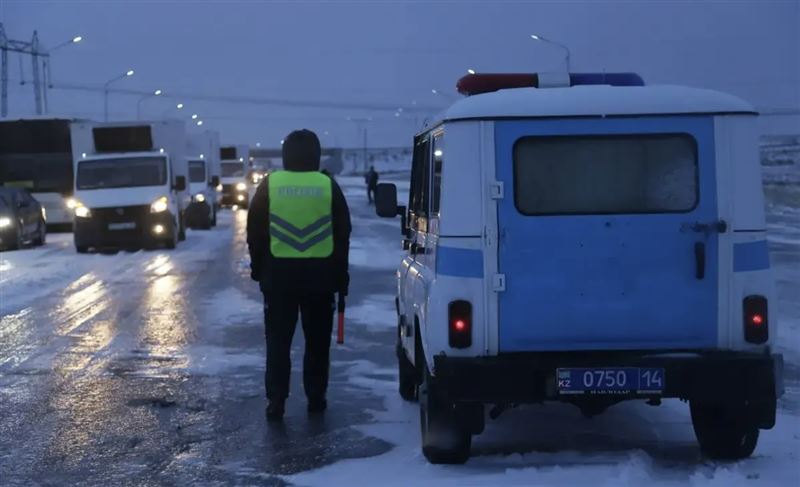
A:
[537,37]
[48,79]
[443,95]
[142,99]
[179,106]
[108,83]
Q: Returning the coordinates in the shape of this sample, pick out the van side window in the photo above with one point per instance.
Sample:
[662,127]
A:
[420,180]
[438,157]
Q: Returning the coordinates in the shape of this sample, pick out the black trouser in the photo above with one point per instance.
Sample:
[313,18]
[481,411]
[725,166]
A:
[280,317]
[370,193]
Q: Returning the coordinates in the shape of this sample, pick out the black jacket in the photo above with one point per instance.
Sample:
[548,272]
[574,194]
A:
[298,275]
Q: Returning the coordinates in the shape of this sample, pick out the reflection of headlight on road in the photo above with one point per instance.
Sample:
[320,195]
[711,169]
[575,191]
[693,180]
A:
[5,222]
[241,187]
[82,212]
[72,203]
[160,205]
[240,197]
[199,197]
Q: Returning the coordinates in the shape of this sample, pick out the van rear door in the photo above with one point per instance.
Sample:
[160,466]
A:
[608,234]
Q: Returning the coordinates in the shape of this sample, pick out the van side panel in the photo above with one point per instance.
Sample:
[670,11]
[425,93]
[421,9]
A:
[608,281]
[744,255]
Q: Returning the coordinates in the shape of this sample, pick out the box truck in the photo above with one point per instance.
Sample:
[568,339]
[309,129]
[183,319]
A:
[234,161]
[130,184]
[202,155]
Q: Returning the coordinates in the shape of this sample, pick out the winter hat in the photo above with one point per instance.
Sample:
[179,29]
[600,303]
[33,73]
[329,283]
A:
[301,151]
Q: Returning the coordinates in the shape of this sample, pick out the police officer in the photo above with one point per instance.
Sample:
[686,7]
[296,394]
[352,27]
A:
[298,233]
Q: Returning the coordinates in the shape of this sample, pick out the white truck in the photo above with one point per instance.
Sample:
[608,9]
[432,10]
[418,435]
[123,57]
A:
[130,184]
[234,160]
[202,155]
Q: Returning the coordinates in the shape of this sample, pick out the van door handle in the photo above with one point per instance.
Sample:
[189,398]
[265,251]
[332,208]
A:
[700,259]
[719,226]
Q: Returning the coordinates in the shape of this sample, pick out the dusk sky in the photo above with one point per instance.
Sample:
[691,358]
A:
[389,55]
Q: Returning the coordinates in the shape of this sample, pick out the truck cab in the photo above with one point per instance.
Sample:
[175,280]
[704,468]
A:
[130,185]
[590,240]
[234,171]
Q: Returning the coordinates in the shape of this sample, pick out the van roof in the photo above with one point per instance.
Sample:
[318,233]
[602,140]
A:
[593,101]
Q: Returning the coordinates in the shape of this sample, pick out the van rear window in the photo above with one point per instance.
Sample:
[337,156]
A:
[615,174]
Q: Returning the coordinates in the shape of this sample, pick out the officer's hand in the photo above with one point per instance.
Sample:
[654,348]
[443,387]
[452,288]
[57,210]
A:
[344,283]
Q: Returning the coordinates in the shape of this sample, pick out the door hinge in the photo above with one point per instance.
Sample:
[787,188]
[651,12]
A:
[496,190]
[498,283]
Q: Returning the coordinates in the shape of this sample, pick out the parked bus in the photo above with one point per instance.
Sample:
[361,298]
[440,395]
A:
[36,154]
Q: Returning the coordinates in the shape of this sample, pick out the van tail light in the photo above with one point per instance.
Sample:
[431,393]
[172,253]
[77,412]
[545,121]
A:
[756,319]
[459,314]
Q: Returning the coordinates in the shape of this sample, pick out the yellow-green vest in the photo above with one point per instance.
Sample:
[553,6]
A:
[300,214]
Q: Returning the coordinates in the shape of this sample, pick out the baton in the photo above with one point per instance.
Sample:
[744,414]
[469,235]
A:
[340,326]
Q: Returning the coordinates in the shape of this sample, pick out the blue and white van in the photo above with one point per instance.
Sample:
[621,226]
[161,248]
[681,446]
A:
[590,240]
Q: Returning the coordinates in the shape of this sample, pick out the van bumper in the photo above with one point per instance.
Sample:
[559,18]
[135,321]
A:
[96,231]
[531,377]
[198,214]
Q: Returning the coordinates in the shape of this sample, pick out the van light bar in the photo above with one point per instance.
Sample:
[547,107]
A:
[475,84]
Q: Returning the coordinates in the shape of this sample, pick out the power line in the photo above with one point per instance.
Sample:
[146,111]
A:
[254,100]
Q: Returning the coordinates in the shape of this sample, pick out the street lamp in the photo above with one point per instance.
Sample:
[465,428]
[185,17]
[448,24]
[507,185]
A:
[179,106]
[536,37]
[194,116]
[48,79]
[199,123]
[108,83]
[139,103]
[471,71]
[443,95]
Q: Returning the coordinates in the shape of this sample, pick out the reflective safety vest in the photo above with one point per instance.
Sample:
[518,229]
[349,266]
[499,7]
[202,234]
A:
[300,214]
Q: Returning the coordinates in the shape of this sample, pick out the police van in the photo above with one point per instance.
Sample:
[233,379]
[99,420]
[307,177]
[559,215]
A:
[586,239]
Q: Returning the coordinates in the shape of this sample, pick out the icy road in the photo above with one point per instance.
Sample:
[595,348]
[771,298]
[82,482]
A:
[147,369]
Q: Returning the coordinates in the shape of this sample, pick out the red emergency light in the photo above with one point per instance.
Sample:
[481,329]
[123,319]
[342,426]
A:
[475,84]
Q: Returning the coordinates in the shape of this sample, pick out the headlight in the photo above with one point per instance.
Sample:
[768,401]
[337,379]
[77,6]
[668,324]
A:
[160,205]
[5,222]
[82,212]
[241,187]
[44,214]
[199,197]
[219,188]
[72,203]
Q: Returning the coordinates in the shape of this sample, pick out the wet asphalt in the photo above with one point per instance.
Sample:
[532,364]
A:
[98,384]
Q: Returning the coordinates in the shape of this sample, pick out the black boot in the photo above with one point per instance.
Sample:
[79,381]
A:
[275,411]
[317,405]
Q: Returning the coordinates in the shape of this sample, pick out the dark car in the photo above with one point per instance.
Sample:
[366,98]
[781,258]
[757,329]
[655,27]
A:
[22,219]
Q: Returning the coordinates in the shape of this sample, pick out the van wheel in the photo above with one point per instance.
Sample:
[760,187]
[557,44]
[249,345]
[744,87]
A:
[181,230]
[17,241]
[444,439]
[724,432]
[81,249]
[214,217]
[41,234]
[407,375]
[173,242]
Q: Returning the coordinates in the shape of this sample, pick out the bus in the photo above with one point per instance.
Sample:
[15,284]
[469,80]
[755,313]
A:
[36,154]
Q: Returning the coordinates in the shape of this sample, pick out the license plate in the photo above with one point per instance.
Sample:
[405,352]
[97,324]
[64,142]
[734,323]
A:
[611,380]
[122,226]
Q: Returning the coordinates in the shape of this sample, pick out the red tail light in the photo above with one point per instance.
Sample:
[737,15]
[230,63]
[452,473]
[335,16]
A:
[460,324]
[756,320]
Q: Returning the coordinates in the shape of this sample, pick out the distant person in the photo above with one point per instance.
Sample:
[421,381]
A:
[298,234]
[371,179]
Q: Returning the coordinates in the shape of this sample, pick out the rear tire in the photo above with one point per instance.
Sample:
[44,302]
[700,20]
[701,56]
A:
[724,431]
[407,376]
[444,439]
[173,242]
[41,235]
[214,217]
[81,249]
[181,230]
